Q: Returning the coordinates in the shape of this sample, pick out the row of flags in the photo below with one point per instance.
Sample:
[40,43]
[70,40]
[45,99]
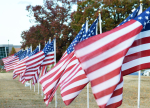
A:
[101,59]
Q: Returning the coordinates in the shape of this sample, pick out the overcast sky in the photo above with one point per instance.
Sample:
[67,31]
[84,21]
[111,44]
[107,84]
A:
[14,20]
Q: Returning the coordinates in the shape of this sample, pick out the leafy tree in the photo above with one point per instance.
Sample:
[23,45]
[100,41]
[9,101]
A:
[13,51]
[113,12]
[53,19]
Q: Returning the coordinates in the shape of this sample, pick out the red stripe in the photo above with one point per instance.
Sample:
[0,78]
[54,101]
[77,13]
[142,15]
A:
[114,105]
[141,41]
[137,55]
[136,68]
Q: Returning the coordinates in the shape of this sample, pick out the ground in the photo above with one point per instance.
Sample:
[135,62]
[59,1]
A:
[14,94]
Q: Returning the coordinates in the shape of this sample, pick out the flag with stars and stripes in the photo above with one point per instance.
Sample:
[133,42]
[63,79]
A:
[50,80]
[137,57]
[102,57]
[74,79]
[20,67]
[12,62]
[33,63]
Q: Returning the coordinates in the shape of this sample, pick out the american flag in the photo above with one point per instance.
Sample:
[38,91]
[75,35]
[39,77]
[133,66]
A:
[7,59]
[102,56]
[20,67]
[137,57]
[50,80]
[11,63]
[74,79]
[33,64]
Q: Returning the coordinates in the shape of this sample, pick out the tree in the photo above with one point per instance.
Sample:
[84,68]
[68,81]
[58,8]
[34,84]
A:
[52,19]
[113,12]
[13,51]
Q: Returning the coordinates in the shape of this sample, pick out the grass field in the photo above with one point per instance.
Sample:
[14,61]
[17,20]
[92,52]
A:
[13,94]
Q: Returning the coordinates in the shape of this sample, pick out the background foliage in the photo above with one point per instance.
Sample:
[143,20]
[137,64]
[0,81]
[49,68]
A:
[58,18]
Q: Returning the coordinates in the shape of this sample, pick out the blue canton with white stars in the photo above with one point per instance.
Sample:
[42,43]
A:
[77,39]
[131,16]
[34,52]
[29,51]
[91,31]
[23,55]
[18,53]
[144,17]
[49,47]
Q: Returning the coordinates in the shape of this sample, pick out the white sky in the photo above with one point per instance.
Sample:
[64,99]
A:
[14,20]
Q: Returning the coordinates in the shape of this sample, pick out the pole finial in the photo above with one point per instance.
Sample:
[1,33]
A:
[99,11]
[141,1]
[87,18]
[54,36]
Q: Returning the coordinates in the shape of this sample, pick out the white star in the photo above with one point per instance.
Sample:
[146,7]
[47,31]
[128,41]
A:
[147,12]
[140,18]
[146,17]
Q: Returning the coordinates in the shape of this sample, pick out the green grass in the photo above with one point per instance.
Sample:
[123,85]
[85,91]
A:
[2,71]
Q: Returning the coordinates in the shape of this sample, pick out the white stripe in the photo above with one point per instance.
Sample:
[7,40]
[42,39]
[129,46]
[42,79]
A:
[135,62]
[115,99]
[70,96]
[105,85]
[143,34]
[103,100]
[138,48]
[119,86]
[51,61]
[75,84]
[107,39]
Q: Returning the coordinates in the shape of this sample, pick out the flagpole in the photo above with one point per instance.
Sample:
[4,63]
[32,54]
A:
[139,76]
[100,26]
[5,52]
[38,80]
[54,65]
[31,52]
[88,83]
[27,52]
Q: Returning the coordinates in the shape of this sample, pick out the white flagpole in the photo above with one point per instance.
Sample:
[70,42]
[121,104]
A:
[88,83]
[139,76]
[38,80]
[54,65]
[100,25]
[31,52]
[27,52]
[5,52]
